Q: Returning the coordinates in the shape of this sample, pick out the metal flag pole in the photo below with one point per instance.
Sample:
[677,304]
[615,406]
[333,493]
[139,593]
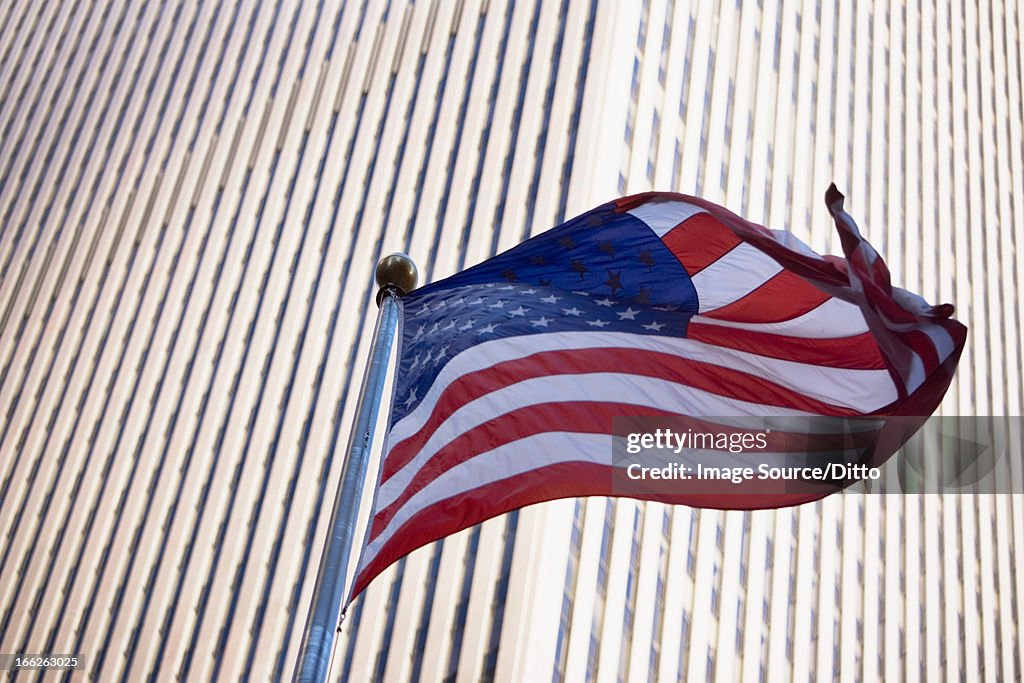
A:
[396,275]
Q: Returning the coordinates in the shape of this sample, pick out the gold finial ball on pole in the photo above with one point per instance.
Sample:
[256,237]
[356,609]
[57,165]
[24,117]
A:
[396,271]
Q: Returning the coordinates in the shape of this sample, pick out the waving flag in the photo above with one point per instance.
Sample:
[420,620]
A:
[510,373]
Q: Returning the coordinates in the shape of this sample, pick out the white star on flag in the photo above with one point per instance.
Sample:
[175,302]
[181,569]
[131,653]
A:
[441,353]
[412,397]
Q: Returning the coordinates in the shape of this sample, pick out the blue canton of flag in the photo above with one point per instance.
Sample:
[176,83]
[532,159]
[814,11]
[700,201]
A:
[604,270]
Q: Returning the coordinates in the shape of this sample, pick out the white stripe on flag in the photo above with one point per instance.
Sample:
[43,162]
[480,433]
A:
[915,374]
[944,344]
[662,217]
[794,243]
[732,277]
[833,319]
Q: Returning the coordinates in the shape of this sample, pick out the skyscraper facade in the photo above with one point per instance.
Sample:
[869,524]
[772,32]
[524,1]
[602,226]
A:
[194,196]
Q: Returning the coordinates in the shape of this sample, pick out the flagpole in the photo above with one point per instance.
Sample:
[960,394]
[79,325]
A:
[396,274]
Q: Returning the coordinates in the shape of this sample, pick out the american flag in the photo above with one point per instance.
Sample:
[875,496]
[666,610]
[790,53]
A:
[510,373]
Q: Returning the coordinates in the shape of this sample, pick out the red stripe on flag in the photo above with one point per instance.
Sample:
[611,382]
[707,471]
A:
[561,480]
[783,297]
[699,241]
[854,353]
[923,346]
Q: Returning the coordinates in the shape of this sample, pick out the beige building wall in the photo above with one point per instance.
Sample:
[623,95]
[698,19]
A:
[193,198]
